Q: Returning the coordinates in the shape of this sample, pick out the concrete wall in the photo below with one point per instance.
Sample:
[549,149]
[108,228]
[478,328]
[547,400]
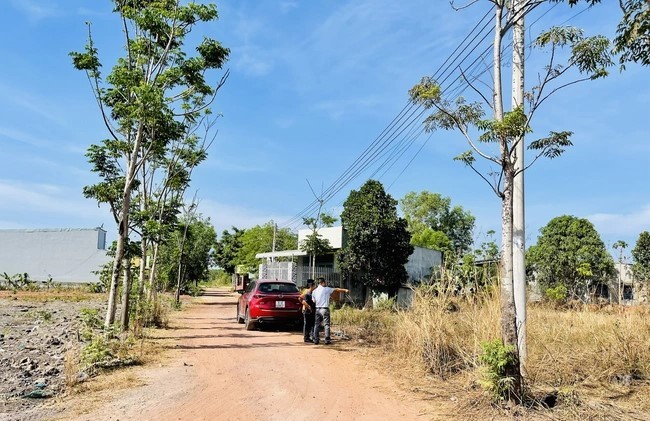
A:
[421,262]
[67,254]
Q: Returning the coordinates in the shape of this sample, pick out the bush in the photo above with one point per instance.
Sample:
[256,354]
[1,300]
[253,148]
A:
[557,294]
[496,357]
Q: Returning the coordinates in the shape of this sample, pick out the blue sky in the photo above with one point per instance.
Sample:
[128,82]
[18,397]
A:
[312,85]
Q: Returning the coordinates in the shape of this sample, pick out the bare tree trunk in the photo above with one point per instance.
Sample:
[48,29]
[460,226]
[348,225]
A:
[152,273]
[508,310]
[123,229]
[142,273]
[126,290]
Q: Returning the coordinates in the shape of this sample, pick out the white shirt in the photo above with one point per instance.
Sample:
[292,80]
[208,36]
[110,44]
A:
[321,296]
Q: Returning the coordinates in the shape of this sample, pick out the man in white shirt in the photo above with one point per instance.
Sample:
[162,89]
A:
[321,296]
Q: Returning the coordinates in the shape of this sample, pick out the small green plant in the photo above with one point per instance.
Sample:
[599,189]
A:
[44,315]
[96,352]
[495,358]
[556,294]
[96,287]
[90,321]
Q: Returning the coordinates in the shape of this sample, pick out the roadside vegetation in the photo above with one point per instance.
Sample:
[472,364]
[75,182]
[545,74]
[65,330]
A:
[584,359]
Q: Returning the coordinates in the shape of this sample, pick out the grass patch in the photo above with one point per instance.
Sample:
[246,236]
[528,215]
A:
[588,360]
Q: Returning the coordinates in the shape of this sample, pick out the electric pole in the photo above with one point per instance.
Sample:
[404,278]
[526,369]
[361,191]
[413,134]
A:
[518,208]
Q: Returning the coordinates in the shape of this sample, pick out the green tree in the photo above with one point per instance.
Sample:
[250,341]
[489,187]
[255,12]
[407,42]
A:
[632,41]
[641,258]
[495,140]
[259,239]
[186,256]
[570,252]
[154,94]
[378,242]
[226,249]
[434,223]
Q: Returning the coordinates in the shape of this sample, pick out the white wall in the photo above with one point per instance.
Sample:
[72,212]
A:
[333,234]
[67,255]
[421,261]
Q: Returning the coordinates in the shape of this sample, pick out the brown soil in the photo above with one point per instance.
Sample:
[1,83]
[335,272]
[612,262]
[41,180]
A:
[218,370]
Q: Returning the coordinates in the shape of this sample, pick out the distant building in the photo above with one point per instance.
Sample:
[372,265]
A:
[294,264]
[67,255]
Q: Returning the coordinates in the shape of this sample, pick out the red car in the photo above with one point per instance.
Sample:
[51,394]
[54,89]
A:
[269,301]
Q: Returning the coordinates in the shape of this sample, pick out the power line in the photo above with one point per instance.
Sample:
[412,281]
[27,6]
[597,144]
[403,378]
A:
[380,146]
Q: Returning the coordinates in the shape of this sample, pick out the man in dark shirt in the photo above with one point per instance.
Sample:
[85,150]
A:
[308,310]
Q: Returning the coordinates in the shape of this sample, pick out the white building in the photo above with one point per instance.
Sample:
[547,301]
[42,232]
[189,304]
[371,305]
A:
[419,266]
[67,255]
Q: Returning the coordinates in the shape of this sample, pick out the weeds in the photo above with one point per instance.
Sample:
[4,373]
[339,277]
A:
[496,357]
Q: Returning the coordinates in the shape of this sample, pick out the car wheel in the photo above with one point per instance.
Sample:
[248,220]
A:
[240,319]
[248,323]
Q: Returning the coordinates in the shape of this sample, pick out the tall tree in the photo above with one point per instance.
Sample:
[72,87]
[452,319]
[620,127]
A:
[570,252]
[226,249]
[149,99]
[378,242]
[641,258]
[431,219]
[499,136]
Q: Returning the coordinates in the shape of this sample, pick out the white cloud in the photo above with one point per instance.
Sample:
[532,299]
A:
[624,224]
[36,10]
[224,216]
[336,108]
[38,199]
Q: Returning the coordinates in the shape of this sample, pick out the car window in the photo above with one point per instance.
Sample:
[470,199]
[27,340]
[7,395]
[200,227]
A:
[278,287]
[250,286]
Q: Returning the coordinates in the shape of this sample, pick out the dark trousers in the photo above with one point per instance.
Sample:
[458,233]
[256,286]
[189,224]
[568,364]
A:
[322,315]
[308,324]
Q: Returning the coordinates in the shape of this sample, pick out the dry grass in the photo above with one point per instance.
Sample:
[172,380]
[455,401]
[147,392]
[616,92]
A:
[596,362]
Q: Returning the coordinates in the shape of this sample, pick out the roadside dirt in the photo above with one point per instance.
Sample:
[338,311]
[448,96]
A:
[219,371]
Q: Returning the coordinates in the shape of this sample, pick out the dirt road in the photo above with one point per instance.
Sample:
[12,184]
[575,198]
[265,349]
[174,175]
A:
[222,372]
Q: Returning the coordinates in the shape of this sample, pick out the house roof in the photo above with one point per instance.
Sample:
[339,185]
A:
[283,253]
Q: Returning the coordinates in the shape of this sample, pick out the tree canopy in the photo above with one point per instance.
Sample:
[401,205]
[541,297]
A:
[641,257]
[434,223]
[226,249]
[570,252]
[259,239]
[378,242]
[153,102]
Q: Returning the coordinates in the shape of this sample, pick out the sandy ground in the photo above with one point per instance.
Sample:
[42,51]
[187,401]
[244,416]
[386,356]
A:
[222,372]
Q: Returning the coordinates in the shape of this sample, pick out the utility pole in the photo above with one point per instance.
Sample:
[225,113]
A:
[518,208]
[275,227]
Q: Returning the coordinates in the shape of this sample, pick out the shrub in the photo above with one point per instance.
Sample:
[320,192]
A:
[557,294]
[495,357]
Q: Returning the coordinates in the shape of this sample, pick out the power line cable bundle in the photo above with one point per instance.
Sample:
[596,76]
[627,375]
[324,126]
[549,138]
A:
[407,124]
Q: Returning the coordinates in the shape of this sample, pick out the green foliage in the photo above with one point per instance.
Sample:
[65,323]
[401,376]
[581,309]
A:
[259,239]
[496,357]
[191,250]
[378,242]
[226,249]
[569,252]
[641,257]
[434,223]
[632,40]
[90,322]
[18,281]
[556,294]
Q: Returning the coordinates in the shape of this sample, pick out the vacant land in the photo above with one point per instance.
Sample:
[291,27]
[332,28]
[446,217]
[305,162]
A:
[208,367]
[37,329]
